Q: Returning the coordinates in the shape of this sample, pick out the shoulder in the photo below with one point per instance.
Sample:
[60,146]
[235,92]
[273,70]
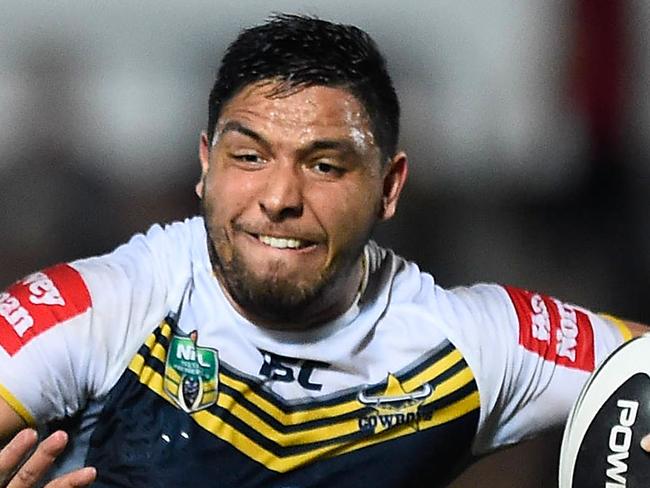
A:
[159,247]
[171,238]
[409,283]
[151,267]
[389,269]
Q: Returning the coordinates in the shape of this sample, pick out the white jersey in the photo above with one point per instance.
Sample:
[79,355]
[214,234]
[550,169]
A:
[143,346]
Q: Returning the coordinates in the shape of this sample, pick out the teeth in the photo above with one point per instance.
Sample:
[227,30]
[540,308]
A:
[281,242]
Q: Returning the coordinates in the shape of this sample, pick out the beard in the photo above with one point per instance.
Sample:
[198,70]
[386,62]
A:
[273,297]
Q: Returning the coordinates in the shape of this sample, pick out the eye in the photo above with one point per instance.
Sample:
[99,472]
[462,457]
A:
[326,168]
[247,158]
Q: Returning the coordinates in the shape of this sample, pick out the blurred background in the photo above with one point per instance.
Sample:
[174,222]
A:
[527,124]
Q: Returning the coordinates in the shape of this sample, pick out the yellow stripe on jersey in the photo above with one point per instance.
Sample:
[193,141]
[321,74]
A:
[300,416]
[454,383]
[166,330]
[328,432]
[442,416]
[288,418]
[622,326]
[159,352]
[17,407]
[238,439]
[151,340]
[173,375]
[136,364]
[337,433]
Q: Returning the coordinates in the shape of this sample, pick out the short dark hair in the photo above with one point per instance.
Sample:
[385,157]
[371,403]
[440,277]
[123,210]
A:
[302,51]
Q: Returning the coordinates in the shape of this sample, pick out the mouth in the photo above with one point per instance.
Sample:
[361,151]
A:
[291,243]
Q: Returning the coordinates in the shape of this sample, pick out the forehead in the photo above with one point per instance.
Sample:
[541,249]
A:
[314,106]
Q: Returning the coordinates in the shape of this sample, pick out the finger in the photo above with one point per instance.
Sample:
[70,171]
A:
[40,461]
[645,443]
[76,479]
[15,451]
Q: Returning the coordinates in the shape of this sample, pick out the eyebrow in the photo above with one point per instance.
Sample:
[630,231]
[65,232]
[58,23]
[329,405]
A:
[234,126]
[342,145]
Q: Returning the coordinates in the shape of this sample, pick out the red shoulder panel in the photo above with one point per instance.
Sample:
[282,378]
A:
[40,301]
[554,330]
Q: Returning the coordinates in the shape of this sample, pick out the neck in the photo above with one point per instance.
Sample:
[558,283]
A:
[336,299]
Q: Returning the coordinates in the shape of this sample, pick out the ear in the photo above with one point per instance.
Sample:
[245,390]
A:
[204,158]
[395,174]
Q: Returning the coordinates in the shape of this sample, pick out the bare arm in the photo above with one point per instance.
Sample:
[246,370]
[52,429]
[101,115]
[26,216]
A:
[10,421]
[19,469]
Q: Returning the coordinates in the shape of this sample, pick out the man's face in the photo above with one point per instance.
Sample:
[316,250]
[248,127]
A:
[291,188]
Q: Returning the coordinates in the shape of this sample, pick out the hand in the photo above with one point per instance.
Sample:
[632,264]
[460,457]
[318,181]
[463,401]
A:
[645,443]
[37,465]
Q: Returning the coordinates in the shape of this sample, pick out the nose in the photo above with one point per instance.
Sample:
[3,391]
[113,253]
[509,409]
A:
[282,197]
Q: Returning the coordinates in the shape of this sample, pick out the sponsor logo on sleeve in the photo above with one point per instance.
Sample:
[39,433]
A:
[38,302]
[556,331]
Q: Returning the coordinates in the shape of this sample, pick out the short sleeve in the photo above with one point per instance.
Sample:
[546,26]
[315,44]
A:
[68,332]
[531,355]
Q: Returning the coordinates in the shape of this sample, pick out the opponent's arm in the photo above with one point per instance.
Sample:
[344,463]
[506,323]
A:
[10,421]
[19,469]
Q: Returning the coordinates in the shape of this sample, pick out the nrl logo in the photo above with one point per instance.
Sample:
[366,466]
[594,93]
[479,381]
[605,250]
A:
[395,407]
[191,373]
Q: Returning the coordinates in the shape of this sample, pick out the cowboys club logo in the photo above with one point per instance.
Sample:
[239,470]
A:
[394,407]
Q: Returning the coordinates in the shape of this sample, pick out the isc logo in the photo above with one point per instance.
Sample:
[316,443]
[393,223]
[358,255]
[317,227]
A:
[287,370]
[620,439]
